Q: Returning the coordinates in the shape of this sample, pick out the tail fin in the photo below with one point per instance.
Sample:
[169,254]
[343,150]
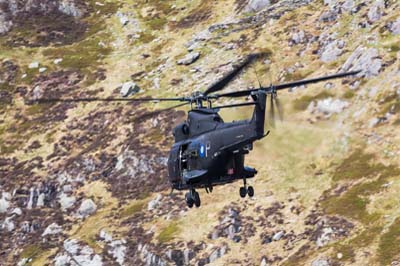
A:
[258,118]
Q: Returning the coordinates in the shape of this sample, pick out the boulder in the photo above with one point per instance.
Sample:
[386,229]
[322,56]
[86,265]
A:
[277,236]
[395,27]
[5,24]
[320,262]
[129,88]
[57,61]
[376,11]
[154,203]
[69,8]
[332,51]
[189,58]
[256,5]
[77,255]
[365,59]
[8,224]
[33,65]
[298,37]
[4,204]
[87,208]
[52,229]
[66,201]
[331,106]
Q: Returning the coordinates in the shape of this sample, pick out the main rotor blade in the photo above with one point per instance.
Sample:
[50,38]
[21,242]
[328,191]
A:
[279,107]
[219,85]
[314,80]
[234,105]
[159,111]
[243,93]
[54,100]
[272,112]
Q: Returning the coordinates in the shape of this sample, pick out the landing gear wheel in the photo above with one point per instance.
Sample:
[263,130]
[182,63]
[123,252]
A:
[250,191]
[243,192]
[189,200]
[196,199]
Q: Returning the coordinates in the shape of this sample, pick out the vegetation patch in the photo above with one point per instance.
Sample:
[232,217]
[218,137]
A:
[133,209]
[389,249]
[359,165]
[364,239]
[353,203]
[31,251]
[168,233]
[303,102]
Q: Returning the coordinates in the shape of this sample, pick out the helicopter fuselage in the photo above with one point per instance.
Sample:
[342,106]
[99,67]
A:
[209,152]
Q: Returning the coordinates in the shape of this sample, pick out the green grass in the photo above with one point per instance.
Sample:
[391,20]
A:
[389,248]
[133,209]
[31,251]
[168,233]
[359,165]
[303,102]
[353,203]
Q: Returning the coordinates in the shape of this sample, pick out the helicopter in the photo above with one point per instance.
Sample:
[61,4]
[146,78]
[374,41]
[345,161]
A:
[207,151]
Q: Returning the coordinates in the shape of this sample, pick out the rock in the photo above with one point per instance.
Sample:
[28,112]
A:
[154,203]
[17,211]
[66,201]
[69,8]
[325,237]
[105,236]
[31,195]
[57,61]
[23,262]
[339,255]
[8,224]
[376,11]
[124,20]
[40,201]
[5,24]
[298,37]
[77,255]
[375,121]
[87,208]
[33,65]
[4,204]
[332,51]
[330,106]
[129,88]
[256,5]
[263,262]
[395,27]
[42,69]
[118,251]
[365,59]
[320,262]
[278,236]
[328,16]
[189,58]
[52,229]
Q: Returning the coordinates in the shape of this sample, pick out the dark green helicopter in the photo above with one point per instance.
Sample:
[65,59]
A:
[207,151]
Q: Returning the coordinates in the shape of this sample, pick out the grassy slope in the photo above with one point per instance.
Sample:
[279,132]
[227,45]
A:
[287,160]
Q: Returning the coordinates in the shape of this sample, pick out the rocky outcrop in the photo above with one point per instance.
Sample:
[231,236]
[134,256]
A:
[365,59]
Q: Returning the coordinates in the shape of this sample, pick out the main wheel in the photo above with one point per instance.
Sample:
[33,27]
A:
[189,200]
[250,191]
[242,192]
[196,199]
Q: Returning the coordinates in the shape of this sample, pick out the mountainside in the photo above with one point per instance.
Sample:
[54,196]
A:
[86,183]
